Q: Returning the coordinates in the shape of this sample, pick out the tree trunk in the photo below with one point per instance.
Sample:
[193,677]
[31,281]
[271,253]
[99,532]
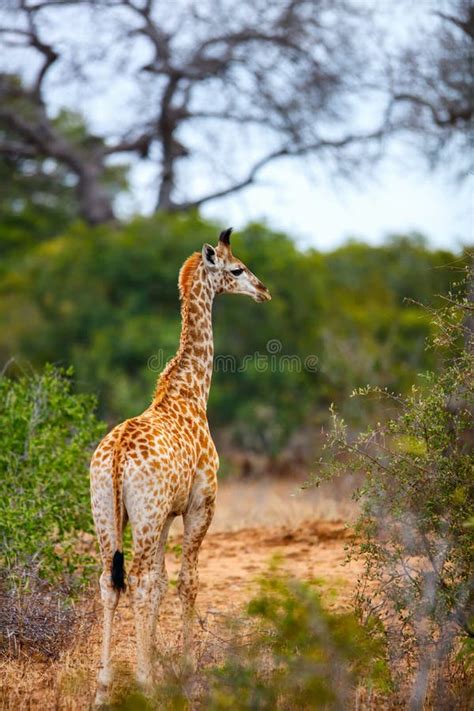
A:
[165,201]
[171,152]
[95,206]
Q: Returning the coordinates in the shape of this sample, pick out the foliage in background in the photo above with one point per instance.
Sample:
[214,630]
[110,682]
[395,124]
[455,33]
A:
[105,300]
[46,436]
[415,527]
[288,652]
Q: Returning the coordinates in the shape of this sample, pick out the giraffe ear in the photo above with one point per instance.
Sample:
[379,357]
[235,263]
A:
[209,256]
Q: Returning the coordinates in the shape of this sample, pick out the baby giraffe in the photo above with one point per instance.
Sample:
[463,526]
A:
[162,464]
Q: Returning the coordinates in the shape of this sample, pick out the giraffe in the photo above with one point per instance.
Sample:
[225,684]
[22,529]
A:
[162,464]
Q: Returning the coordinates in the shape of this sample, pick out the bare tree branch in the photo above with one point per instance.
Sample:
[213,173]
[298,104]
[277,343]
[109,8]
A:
[437,76]
[140,144]
[40,136]
[454,113]
[285,152]
[16,149]
[466,25]
[36,6]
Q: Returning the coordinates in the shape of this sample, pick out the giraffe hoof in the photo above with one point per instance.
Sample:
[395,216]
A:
[101,696]
[189,664]
[145,684]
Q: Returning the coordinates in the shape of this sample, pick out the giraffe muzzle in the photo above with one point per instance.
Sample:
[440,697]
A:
[263,294]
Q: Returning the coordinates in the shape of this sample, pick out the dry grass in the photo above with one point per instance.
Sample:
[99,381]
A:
[31,682]
[267,502]
[39,620]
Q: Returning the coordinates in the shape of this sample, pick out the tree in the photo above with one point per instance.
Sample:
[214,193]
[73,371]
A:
[209,95]
[38,193]
[27,128]
[27,132]
[36,201]
[266,79]
[433,87]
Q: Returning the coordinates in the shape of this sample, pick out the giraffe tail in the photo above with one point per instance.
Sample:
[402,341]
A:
[118,571]
[118,568]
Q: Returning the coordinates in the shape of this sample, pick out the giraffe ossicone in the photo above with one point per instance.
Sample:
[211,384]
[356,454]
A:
[162,464]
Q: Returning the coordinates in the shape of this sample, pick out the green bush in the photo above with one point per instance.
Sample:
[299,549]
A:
[46,435]
[302,656]
[105,299]
[414,529]
[287,652]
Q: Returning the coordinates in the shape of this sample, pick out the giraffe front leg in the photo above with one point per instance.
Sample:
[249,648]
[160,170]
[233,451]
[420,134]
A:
[196,523]
[102,509]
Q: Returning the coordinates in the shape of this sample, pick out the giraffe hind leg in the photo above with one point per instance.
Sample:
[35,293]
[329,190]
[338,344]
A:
[110,598]
[102,508]
[148,582]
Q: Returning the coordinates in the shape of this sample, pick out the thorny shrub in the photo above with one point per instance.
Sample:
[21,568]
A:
[415,533]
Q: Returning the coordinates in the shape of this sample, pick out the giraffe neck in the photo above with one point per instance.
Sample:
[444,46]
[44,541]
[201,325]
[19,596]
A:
[188,375]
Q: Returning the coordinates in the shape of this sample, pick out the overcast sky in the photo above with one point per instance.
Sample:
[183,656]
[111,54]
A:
[316,212]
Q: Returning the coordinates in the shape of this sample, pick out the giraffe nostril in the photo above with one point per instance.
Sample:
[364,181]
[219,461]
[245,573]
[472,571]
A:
[263,293]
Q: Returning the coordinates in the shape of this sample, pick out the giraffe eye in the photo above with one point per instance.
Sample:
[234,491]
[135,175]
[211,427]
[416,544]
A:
[236,272]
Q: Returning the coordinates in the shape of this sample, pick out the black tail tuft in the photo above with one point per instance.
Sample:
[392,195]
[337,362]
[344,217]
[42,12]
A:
[118,571]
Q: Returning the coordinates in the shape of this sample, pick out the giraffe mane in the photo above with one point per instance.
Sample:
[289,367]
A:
[186,273]
[185,280]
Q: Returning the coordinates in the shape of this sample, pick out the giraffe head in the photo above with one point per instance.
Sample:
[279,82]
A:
[228,274]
